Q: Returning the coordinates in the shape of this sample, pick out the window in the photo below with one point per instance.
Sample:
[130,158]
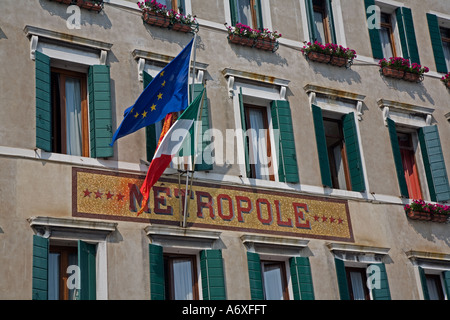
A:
[59,259]
[70,124]
[339,151]
[357,279]
[180,277]
[177,5]
[445,34]
[407,138]
[440,41]
[181,265]
[259,147]
[321,22]
[360,271]
[434,286]
[387,36]
[395,23]
[73,109]
[409,165]
[247,12]
[337,157]
[274,279]
[54,250]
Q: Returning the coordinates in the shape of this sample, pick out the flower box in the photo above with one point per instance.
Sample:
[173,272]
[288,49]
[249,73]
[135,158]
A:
[90,5]
[412,77]
[181,27]
[447,84]
[243,41]
[319,57]
[338,61]
[64,1]
[441,218]
[155,19]
[418,215]
[393,73]
[265,44]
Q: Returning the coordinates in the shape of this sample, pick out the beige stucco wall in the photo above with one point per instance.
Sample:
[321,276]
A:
[34,187]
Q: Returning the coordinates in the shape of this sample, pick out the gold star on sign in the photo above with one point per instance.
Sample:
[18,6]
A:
[160,96]
[164,84]
[153,107]
[162,74]
[144,114]
[136,115]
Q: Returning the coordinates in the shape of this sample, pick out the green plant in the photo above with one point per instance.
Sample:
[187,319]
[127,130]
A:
[420,205]
[243,30]
[445,79]
[329,48]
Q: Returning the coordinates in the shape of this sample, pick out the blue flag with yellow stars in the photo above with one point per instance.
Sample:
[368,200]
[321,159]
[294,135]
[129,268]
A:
[166,93]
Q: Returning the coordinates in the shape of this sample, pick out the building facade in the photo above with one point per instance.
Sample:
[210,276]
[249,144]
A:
[305,172]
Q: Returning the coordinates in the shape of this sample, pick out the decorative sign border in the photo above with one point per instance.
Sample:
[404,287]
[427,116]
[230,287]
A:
[116,196]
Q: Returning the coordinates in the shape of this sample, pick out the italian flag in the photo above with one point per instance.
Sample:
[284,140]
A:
[168,147]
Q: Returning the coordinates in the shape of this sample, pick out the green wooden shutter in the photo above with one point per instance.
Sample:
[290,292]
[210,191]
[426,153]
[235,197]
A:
[301,278]
[254,273]
[40,268]
[434,163]
[436,43]
[446,276]
[353,152]
[374,34]
[407,34]
[156,272]
[383,293]
[423,281]
[100,117]
[259,18]
[87,264]
[213,281]
[321,146]
[311,24]
[150,131]
[342,279]
[287,156]
[233,12]
[43,102]
[397,158]
[244,130]
[206,159]
[331,21]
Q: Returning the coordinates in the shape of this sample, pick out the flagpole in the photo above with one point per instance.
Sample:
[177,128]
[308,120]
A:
[190,95]
[187,198]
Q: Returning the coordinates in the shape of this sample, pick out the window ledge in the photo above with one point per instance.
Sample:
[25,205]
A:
[274,245]
[63,228]
[405,113]
[358,253]
[429,260]
[232,74]
[35,33]
[170,236]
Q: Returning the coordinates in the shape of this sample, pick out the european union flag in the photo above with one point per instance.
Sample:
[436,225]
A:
[168,92]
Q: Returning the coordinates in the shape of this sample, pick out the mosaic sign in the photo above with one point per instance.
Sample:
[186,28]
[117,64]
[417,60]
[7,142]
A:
[116,196]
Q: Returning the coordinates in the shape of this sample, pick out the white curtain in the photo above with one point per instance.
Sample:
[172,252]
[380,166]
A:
[73,117]
[385,38]
[182,279]
[446,46]
[357,286]
[432,289]
[258,144]
[320,28]
[53,276]
[244,12]
[272,282]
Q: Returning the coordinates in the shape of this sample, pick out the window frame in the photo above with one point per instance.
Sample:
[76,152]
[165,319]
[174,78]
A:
[390,28]
[63,251]
[263,109]
[325,20]
[60,146]
[363,272]
[284,280]
[445,41]
[169,281]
